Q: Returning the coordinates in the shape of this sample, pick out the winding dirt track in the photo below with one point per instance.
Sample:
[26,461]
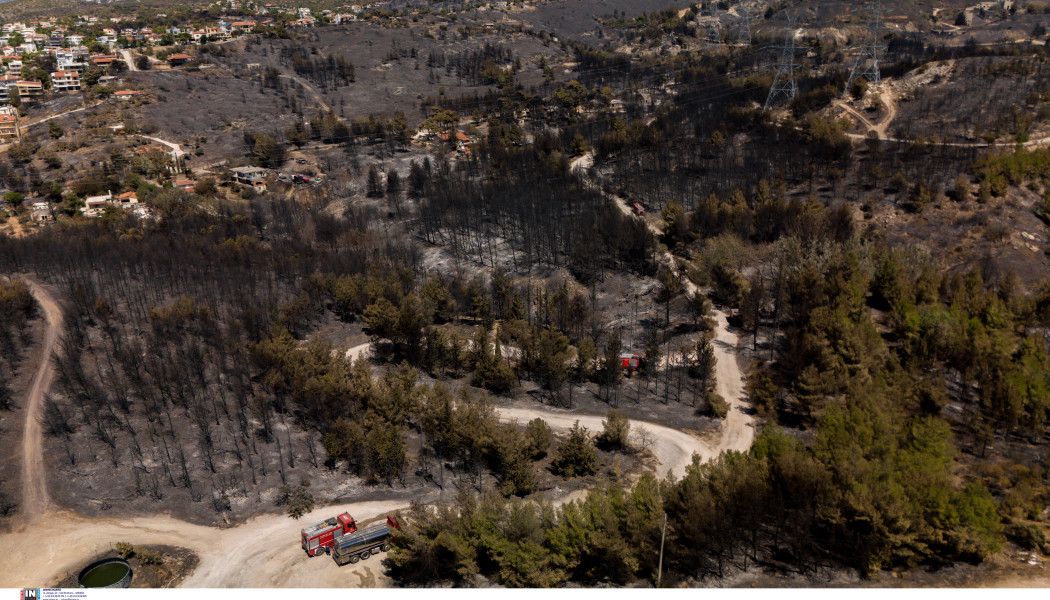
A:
[264,551]
[35,499]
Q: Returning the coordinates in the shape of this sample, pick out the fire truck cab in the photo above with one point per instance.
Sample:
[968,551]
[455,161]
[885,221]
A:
[631,362]
[319,538]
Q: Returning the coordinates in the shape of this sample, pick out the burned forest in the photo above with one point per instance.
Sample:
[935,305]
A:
[587,293]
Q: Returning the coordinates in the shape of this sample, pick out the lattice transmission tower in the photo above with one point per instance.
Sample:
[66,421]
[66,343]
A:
[714,28]
[784,83]
[743,27]
[866,64]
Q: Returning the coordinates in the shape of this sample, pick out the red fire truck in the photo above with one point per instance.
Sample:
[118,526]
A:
[631,362]
[319,538]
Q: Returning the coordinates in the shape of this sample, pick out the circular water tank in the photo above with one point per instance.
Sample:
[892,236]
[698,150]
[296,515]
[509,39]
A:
[106,573]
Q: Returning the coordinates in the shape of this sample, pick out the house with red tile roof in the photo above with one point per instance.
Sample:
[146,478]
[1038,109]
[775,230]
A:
[65,81]
[179,59]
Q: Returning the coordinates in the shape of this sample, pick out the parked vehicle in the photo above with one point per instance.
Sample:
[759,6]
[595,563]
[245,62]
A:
[734,318]
[631,362]
[361,545]
[297,178]
[638,209]
[320,537]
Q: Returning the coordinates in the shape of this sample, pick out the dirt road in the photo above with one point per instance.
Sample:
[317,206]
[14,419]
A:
[35,500]
[882,127]
[673,449]
[16,227]
[175,148]
[739,429]
[313,91]
[856,114]
[264,552]
[358,352]
[62,114]
[128,60]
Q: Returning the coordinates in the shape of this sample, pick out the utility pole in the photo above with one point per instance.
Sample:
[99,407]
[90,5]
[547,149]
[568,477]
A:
[866,64]
[660,565]
[784,83]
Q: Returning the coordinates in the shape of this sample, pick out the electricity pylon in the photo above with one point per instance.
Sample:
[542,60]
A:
[784,83]
[866,64]
[743,28]
[714,28]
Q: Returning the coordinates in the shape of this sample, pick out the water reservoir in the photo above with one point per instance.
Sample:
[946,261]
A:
[106,573]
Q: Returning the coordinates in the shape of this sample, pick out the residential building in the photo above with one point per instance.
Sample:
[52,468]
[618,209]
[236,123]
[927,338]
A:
[65,81]
[10,127]
[95,203]
[7,83]
[30,90]
[127,198]
[67,60]
[253,176]
[41,211]
[179,59]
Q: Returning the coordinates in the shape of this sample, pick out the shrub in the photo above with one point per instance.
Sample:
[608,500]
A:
[576,456]
[715,406]
[151,558]
[1043,208]
[1025,535]
[298,500]
[859,87]
[125,550]
[539,437]
[616,432]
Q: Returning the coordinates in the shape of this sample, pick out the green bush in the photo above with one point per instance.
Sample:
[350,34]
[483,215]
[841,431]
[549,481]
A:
[539,437]
[151,558]
[1026,536]
[298,500]
[576,456]
[616,433]
[125,550]
[715,406]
